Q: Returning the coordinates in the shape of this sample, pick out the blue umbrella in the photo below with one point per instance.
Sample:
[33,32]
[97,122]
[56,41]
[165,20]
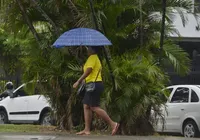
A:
[82,37]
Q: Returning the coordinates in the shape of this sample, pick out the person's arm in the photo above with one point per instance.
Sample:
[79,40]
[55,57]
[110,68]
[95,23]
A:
[90,63]
[85,75]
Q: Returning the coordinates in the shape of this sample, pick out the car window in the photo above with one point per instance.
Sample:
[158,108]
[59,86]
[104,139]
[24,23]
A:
[32,89]
[181,95]
[21,92]
[194,97]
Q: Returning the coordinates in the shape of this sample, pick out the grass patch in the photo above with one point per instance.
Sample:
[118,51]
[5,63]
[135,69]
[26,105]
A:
[28,128]
[38,129]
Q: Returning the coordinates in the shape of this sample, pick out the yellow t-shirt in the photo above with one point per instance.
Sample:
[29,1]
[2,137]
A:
[94,63]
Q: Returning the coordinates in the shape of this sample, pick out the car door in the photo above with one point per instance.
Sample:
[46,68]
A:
[35,105]
[193,105]
[17,108]
[176,109]
[192,109]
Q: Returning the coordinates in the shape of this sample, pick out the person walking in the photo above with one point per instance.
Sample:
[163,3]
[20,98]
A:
[91,100]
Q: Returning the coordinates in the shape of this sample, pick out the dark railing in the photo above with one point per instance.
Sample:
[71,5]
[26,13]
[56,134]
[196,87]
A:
[192,78]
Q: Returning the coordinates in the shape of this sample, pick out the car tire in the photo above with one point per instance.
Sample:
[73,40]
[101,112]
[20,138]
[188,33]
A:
[46,119]
[190,129]
[3,117]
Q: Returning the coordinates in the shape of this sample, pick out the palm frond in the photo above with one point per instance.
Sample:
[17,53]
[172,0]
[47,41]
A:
[178,58]
[186,4]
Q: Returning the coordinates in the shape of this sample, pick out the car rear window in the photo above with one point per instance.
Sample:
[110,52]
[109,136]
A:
[194,97]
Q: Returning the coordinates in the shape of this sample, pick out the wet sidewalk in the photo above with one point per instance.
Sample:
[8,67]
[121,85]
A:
[74,137]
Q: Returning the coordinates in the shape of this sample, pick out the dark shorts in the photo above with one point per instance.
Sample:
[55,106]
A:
[93,98]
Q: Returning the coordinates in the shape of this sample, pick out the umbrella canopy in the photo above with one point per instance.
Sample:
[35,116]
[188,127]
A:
[82,37]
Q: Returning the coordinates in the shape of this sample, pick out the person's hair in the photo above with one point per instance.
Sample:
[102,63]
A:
[96,49]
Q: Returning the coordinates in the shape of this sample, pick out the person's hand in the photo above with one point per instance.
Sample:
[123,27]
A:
[75,85]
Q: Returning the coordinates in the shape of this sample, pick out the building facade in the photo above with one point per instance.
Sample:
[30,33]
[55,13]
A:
[189,40]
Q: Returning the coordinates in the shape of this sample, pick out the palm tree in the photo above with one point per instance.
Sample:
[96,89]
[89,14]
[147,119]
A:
[130,103]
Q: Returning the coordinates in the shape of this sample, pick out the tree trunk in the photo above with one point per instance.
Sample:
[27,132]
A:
[44,14]
[28,21]
[69,123]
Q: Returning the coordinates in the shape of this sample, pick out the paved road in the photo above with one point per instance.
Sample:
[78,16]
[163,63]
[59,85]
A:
[74,137]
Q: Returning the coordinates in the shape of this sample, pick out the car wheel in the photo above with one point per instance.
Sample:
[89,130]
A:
[46,119]
[3,117]
[190,129]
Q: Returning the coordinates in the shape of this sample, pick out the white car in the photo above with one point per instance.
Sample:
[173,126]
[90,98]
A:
[182,111]
[25,108]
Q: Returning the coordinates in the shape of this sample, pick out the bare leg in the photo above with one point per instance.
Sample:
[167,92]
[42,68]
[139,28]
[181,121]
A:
[88,119]
[105,116]
[102,113]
